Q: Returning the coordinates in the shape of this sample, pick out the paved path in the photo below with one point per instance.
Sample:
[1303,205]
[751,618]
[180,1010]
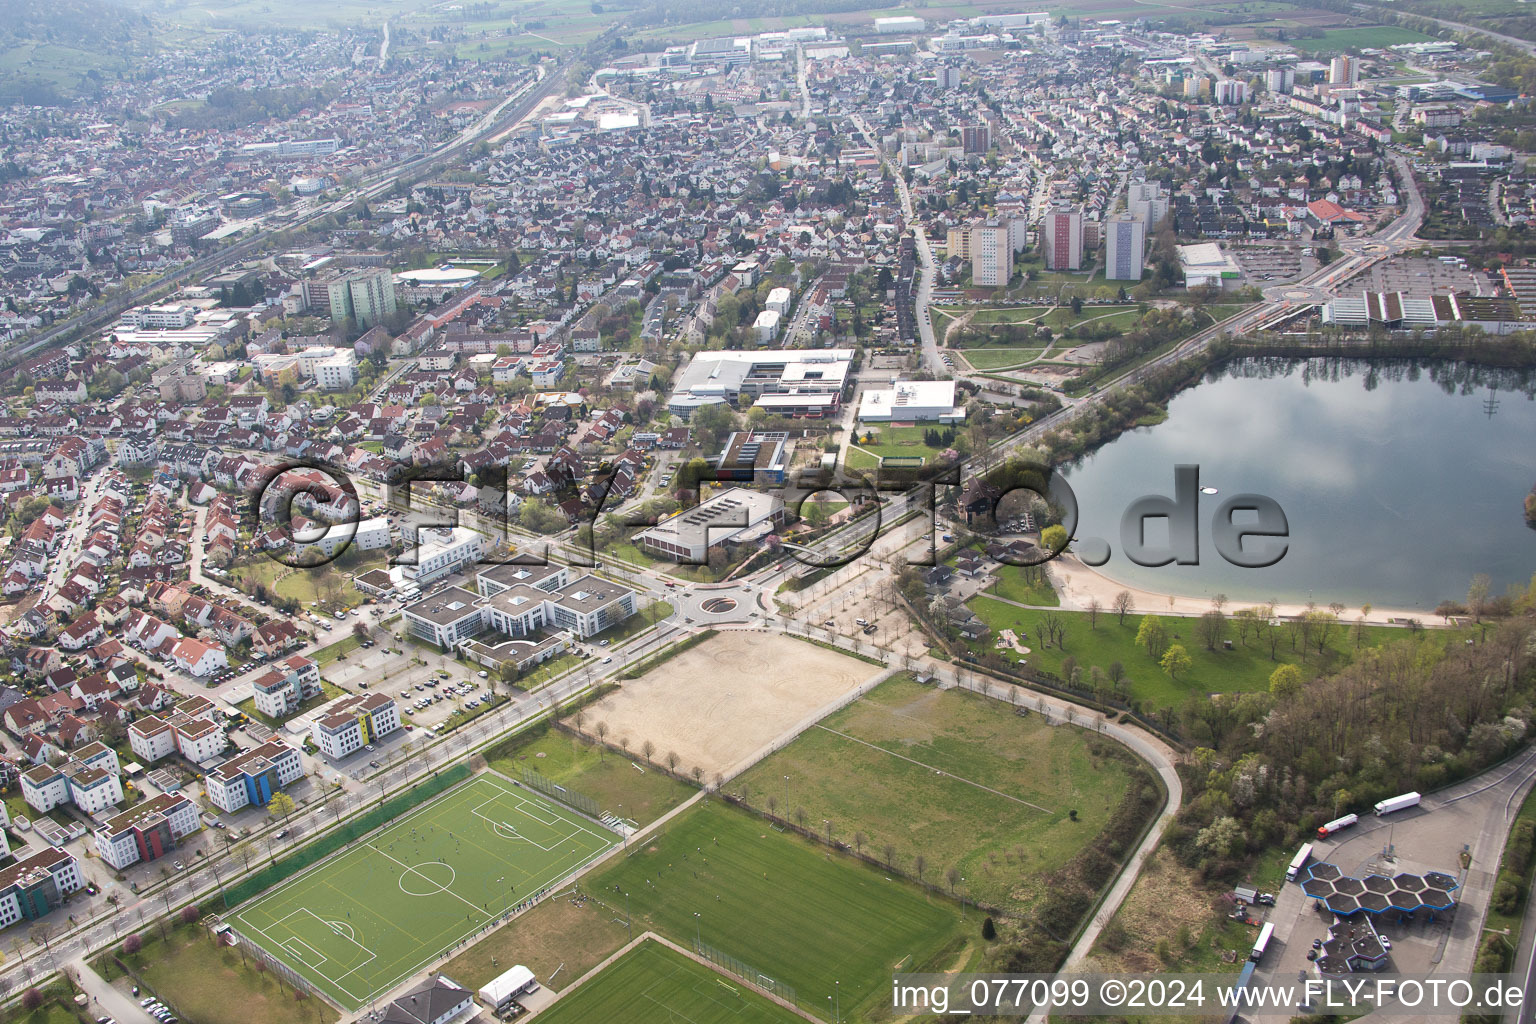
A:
[108,1000]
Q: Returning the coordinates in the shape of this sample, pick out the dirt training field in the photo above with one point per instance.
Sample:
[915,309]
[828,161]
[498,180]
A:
[716,704]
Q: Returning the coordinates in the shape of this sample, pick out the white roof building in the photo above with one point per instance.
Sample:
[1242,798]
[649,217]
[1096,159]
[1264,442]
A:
[911,400]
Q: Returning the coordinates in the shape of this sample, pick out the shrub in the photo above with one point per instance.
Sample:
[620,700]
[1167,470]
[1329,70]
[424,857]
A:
[1506,897]
[31,999]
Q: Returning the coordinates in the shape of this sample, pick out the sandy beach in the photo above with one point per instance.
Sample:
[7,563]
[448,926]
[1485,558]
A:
[1078,584]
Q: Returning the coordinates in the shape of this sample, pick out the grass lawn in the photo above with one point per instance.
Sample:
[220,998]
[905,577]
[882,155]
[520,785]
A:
[997,358]
[1244,669]
[331,583]
[373,915]
[1012,585]
[652,983]
[593,771]
[214,985]
[890,440]
[330,652]
[648,617]
[1002,847]
[627,550]
[1356,38]
[813,921]
[559,940]
[547,671]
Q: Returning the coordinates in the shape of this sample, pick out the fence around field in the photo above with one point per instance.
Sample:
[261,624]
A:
[273,964]
[533,779]
[334,840]
[746,972]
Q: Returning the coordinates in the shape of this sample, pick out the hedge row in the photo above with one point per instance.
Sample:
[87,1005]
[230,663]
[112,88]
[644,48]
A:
[351,830]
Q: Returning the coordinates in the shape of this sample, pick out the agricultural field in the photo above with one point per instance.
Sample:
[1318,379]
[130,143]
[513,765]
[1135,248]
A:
[589,769]
[812,921]
[1244,669]
[956,779]
[368,918]
[654,983]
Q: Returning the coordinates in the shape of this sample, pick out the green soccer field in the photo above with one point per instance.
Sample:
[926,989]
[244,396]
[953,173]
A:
[815,923]
[365,920]
[652,983]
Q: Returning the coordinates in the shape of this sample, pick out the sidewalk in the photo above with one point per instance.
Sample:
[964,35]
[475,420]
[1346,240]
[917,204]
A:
[107,1000]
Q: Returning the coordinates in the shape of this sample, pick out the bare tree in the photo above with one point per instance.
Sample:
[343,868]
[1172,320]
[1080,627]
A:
[890,855]
[602,732]
[858,842]
[671,759]
[1123,605]
[952,876]
[646,750]
[1094,607]
[919,864]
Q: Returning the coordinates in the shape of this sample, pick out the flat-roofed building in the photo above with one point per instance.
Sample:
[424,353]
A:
[734,516]
[353,722]
[816,376]
[913,401]
[444,618]
[147,831]
[755,456]
[252,777]
[442,550]
[34,885]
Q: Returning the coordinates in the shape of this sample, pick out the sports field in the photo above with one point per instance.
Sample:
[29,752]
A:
[368,918]
[652,983]
[812,921]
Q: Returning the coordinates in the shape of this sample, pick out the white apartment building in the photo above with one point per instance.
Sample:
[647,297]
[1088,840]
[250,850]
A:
[285,685]
[1124,248]
[353,722]
[991,255]
[369,535]
[252,777]
[338,373]
[146,832]
[35,885]
[442,550]
[89,780]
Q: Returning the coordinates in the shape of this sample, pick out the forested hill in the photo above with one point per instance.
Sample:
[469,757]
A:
[53,50]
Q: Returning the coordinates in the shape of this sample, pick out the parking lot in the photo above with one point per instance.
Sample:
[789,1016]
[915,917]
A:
[1423,275]
[1274,264]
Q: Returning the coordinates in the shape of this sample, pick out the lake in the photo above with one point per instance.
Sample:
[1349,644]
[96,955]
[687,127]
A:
[1399,482]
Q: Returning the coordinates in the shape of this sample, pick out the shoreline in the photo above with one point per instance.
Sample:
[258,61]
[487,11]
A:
[1076,584]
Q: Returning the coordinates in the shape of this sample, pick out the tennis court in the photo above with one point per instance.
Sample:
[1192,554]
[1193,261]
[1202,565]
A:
[365,920]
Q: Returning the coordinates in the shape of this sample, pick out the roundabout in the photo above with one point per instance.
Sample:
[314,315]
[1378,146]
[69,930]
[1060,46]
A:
[719,605]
